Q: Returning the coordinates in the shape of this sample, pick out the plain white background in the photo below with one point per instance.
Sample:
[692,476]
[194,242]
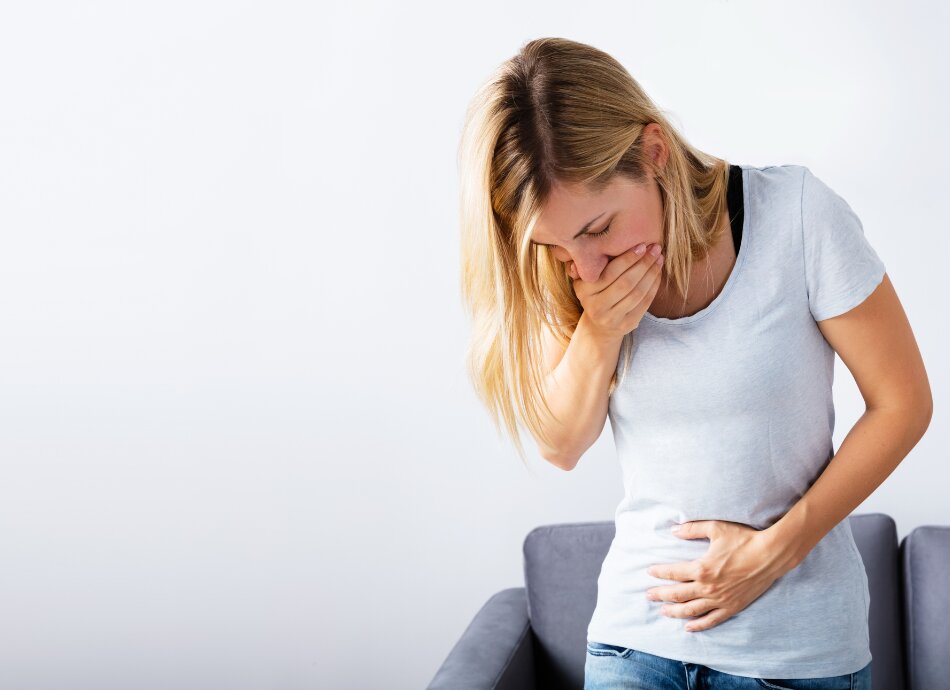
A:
[237,442]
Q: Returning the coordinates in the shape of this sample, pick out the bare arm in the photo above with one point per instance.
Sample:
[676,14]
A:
[576,390]
[876,343]
[578,376]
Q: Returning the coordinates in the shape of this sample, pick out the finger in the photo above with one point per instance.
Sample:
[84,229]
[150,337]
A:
[619,264]
[631,287]
[695,529]
[674,594]
[665,571]
[684,571]
[656,271]
[710,620]
[690,609]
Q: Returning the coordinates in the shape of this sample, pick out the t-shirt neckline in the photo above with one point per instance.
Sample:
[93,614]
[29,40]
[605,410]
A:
[733,274]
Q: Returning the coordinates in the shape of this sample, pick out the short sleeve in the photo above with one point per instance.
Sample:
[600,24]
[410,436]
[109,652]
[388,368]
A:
[841,266]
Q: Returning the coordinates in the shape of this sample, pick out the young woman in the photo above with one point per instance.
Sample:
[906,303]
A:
[611,269]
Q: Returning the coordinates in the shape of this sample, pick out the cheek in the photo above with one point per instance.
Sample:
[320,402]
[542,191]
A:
[627,239]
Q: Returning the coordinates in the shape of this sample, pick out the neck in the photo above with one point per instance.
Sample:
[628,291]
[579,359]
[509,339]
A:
[706,278]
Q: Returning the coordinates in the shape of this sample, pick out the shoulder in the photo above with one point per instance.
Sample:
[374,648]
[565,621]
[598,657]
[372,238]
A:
[794,189]
[792,178]
[769,180]
[788,176]
[791,191]
[774,191]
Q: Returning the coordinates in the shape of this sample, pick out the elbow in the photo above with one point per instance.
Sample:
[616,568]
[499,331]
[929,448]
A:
[569,464]
[925,407]
[927,412]
[917,421]
[916,410]
[560,460]
[922,411]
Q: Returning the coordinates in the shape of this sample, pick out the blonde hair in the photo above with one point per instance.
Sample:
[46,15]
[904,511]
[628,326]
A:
[561,111]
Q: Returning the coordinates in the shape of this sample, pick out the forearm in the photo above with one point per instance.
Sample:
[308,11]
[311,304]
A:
[871,451]
[576,391]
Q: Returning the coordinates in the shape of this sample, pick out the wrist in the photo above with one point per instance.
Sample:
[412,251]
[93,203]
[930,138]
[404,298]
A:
[786,543]
[596,339]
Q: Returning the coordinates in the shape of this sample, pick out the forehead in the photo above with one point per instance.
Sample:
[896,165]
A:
[569,207]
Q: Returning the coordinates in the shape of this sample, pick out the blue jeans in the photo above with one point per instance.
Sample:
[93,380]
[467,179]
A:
[610,667]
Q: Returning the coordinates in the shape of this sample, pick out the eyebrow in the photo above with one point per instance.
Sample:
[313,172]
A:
[579,233]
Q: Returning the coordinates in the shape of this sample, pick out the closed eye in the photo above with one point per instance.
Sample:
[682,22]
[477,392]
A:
[598,234]
[586,234]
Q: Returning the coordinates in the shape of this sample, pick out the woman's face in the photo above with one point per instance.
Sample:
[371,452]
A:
[574,221]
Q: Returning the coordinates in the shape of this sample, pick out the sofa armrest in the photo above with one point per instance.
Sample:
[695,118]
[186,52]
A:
[496,651]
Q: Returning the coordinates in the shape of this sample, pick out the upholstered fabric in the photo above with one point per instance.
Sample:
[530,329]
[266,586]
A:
[534,637]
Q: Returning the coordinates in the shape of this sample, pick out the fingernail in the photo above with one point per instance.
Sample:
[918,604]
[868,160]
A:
[659,260]
[655,249]
[639,249]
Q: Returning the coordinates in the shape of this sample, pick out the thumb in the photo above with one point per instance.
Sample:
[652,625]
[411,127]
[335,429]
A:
[694,529]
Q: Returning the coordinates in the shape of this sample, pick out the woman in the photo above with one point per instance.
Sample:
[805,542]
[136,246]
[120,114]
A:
[611,269]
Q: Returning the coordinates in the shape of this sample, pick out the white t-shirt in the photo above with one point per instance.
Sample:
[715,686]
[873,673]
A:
[727,414]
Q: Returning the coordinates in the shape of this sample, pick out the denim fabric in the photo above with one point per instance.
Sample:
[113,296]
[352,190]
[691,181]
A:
[611,667]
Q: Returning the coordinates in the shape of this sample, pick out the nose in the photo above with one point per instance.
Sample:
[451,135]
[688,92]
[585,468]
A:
[587,264]
[589,268]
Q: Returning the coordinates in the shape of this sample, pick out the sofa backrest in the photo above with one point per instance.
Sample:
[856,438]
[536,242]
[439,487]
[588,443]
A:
[925,573]
[876,537]
[562,563]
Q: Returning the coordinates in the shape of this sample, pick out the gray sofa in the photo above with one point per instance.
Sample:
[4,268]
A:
[536,636]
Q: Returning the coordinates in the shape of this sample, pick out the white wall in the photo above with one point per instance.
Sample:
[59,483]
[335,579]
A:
[237,443]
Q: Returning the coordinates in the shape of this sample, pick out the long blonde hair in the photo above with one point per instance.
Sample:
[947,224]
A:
[562,111]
